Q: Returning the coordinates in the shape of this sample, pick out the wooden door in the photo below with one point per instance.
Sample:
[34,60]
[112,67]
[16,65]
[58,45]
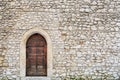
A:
[36,56]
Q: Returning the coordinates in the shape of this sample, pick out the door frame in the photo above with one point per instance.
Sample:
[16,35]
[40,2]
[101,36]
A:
[25,37]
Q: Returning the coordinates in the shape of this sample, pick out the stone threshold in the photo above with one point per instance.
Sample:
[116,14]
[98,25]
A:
[36,78]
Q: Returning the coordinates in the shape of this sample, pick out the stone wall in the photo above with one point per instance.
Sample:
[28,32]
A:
[85,34]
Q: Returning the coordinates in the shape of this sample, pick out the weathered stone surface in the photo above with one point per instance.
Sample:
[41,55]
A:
[85,35]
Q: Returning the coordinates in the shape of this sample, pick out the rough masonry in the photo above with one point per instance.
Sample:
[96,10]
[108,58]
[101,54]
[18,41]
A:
[85,35]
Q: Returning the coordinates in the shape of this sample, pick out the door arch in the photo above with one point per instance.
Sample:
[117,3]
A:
[25,37]
[36,56]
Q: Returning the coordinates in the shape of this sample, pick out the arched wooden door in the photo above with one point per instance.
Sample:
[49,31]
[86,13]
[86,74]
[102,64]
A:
[36,56]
